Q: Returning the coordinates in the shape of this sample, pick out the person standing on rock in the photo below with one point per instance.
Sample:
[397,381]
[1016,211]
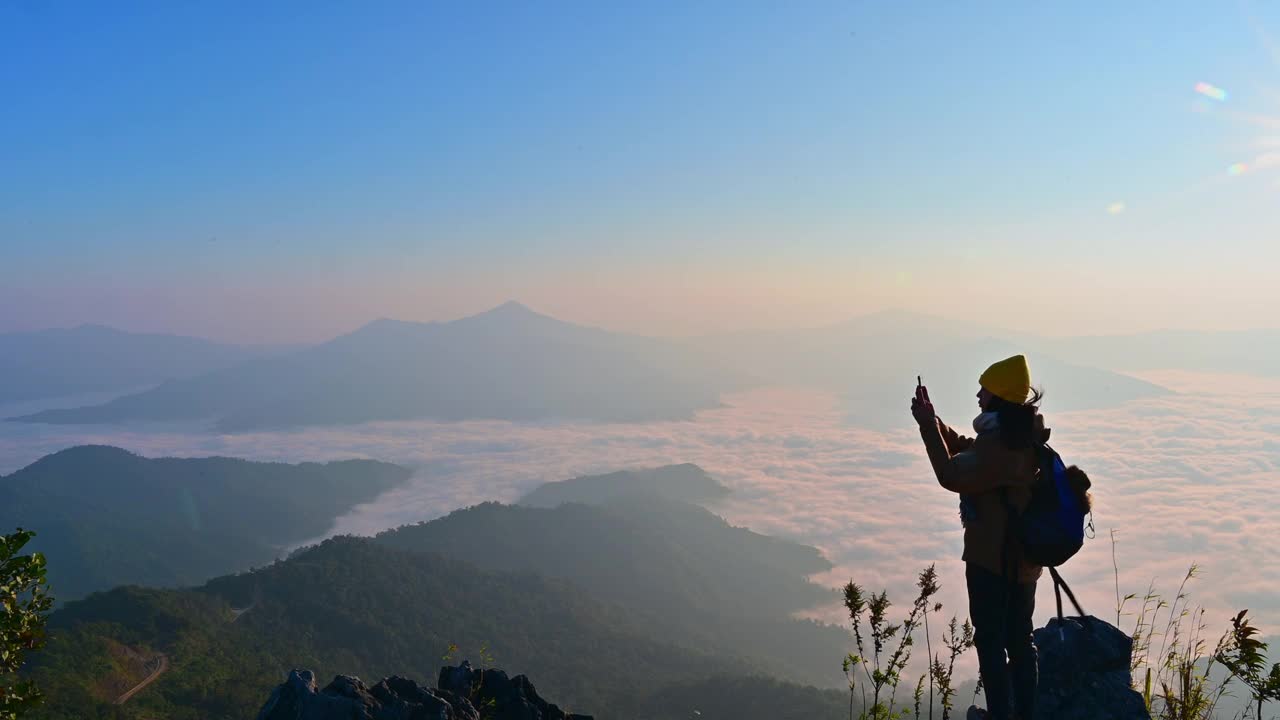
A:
[993,473]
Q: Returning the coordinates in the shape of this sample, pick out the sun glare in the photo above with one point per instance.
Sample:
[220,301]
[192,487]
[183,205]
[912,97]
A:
[1212,92]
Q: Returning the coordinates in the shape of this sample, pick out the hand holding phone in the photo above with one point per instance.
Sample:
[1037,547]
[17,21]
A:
[921,406]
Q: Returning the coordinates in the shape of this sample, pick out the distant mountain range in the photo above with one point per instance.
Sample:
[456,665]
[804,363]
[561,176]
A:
[1246,352]
[515,364]
[106,517]
[872,363]
[92,358]
[508,363]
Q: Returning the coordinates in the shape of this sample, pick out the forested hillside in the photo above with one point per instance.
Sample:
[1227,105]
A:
[686,572]
[356,607]
[639,601]
[106,517]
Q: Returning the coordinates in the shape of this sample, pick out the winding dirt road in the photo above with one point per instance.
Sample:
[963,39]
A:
[156,673]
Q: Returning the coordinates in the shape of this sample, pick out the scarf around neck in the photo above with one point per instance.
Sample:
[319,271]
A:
[986,422]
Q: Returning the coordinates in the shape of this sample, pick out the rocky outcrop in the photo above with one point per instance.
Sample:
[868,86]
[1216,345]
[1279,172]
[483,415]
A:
[1084,672]
[1084,675]
[464,693]
[500,697]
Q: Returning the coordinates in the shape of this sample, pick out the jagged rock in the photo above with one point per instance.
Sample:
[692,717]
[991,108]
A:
[395,698]
[402,698]
[504,698]
[1084,672]
[347,698]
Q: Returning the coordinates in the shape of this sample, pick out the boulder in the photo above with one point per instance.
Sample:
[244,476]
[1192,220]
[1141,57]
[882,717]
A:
[1084,672]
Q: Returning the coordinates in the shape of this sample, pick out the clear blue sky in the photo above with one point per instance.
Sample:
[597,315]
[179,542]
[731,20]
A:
[289,169]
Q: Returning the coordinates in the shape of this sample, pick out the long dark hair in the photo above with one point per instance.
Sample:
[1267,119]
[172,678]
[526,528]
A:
[1018,427]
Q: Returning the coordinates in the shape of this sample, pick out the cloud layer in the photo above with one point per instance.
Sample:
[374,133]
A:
[1183,479]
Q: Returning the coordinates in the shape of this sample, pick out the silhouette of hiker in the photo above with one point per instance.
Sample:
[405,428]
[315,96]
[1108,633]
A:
[993,473]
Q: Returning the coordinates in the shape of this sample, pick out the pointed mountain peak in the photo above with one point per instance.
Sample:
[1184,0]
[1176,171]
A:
[511,308]
[514,317]
[507,314]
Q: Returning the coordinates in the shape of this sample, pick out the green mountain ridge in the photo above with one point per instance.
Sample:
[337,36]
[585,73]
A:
[605,605]
[354,606]
[608,605]
[106,517]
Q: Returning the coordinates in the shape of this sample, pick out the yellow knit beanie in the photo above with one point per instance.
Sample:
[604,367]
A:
[1009,379]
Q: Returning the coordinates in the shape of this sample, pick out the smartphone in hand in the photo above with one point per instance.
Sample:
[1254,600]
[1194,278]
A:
[922,392]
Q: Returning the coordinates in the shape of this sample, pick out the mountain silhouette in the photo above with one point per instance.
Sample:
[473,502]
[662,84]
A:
[513,363]
[508,363]
[93,358]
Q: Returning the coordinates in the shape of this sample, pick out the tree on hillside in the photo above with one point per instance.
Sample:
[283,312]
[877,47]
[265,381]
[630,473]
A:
[25,601]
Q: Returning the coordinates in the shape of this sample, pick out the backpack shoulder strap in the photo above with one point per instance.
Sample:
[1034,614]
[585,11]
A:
[1047,455]
[1058,586]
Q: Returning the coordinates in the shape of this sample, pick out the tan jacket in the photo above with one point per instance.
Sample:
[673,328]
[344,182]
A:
[982,470]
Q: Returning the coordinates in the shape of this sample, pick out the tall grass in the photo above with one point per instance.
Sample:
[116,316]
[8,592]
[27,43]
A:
[884,650]
[1172,663]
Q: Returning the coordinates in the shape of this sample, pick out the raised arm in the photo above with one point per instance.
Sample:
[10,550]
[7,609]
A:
[983,466]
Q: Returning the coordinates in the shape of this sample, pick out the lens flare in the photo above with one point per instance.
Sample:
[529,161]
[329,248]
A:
[1238,169]
[1213,92]
[1116,208]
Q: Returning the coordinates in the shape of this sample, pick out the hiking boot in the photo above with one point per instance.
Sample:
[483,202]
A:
[977,713]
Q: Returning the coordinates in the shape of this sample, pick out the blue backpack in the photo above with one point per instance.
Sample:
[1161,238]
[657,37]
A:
[1052,528]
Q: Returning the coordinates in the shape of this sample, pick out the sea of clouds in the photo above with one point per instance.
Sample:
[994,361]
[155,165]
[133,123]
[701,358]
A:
[1190,478]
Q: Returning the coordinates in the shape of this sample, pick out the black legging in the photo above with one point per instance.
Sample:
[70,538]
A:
[1001,611]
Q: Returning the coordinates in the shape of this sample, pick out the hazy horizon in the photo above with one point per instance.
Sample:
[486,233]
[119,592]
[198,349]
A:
[749,325]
